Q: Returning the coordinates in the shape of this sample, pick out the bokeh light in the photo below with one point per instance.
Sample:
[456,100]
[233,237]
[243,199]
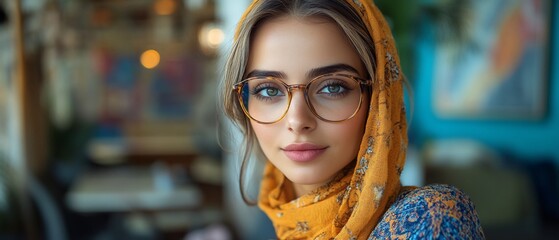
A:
[150,59]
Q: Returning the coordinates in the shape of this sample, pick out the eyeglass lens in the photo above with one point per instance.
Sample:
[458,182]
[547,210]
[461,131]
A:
[333,98]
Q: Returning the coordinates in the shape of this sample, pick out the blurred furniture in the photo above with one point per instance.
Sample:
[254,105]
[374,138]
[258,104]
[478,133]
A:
[162,199]
[131,189]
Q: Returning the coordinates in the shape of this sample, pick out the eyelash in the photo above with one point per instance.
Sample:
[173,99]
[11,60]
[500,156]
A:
[260,88]
[345,91]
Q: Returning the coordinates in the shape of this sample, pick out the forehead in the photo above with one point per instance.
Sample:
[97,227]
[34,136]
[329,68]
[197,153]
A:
[295,45]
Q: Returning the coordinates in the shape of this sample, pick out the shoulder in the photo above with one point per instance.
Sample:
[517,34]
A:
[433,212]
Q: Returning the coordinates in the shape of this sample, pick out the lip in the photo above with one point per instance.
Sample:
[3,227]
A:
[303,152]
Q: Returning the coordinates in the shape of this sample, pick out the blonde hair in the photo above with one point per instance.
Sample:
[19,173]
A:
[340,12]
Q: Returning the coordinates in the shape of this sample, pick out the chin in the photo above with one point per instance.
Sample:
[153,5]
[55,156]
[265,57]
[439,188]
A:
[305,179]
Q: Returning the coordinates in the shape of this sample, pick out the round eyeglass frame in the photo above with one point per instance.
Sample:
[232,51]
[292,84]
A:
[237,87]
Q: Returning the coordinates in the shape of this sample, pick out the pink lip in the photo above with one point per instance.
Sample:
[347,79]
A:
[303,152]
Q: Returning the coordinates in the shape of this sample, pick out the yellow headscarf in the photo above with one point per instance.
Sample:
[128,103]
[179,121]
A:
[350,206]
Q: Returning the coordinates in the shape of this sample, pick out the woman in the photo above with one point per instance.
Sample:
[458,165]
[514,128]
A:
[316,88]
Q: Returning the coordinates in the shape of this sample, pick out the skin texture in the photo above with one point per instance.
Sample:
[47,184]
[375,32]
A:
[293,47]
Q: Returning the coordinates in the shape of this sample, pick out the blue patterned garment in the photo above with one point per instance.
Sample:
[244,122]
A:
[430,212]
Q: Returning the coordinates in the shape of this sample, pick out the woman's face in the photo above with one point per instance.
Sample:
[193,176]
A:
[307,150]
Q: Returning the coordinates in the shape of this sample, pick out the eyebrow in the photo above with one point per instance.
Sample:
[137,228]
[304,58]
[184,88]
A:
[264,73]
[315,72]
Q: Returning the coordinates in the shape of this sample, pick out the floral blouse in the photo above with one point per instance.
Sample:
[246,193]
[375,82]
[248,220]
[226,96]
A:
[430,212]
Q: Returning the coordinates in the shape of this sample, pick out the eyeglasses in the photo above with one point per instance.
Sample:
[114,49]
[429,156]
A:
[331,97]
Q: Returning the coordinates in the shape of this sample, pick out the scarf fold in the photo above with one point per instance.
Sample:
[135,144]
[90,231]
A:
[350,206]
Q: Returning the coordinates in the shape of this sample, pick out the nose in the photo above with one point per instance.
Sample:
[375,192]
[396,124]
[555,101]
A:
[299,117]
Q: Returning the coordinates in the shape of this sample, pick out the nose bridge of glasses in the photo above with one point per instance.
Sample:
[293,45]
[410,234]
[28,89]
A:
[303,97]
[300,86]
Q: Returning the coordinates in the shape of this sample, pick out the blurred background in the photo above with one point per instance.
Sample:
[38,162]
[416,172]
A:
[109,122]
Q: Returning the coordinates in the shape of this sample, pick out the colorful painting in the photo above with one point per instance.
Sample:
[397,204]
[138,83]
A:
[133,93]
[501,70]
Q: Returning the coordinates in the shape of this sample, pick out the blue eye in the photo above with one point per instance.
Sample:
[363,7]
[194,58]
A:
[268,92]
[332,88]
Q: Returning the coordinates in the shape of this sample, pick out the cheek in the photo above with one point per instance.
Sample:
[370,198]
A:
[354,129]
[351,135]
[264,134]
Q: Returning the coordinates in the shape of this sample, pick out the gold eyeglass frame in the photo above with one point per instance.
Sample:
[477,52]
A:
[237,87]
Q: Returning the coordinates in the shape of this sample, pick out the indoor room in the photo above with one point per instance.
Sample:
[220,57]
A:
[112,122]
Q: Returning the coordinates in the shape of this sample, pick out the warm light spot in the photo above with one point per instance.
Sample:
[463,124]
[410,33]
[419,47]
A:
[165,7]
[150,59]
[215,37]
[210,37]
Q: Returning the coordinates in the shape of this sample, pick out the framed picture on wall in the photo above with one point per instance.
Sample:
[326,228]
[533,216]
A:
[133,93]
[500,72]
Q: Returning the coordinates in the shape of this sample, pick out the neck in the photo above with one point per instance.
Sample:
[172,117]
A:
[301,189]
